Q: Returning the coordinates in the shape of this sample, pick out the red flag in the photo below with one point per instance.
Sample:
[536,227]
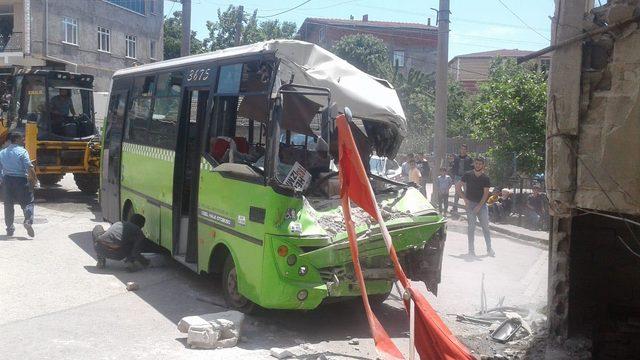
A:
[433,339]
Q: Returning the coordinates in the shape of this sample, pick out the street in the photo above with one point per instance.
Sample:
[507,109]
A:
[55,303]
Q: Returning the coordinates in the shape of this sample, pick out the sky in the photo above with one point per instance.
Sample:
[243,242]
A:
[476,25]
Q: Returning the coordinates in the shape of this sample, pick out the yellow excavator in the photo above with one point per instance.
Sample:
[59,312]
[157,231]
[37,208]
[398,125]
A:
[55,112]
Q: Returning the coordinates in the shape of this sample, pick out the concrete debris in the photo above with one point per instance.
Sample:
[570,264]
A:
[280,353]
[354,342]
[211,331]
[202,336]
[186,322]
[132,286]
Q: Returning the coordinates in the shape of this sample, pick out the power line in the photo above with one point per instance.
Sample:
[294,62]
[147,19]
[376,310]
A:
[522,21]
[285,11]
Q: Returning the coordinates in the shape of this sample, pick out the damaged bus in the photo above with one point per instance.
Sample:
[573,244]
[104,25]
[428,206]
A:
[230,157]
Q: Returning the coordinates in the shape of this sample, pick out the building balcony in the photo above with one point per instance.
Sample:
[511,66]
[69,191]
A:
[11,42]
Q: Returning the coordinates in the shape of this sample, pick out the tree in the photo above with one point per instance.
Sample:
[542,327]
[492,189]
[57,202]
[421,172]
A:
[222,33]
[366,52]
[173,37]
[510,110]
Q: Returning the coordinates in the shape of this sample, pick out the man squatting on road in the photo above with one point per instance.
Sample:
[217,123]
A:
[18,178]
[123,240]
[475,194]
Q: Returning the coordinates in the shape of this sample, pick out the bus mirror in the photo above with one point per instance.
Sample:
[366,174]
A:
[348,113]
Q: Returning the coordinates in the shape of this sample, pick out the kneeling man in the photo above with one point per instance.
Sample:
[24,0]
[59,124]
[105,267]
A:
[123,240]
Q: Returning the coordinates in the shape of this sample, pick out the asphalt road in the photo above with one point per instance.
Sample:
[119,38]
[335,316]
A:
[55,304]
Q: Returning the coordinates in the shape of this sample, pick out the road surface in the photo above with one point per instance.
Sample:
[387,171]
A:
[55,304]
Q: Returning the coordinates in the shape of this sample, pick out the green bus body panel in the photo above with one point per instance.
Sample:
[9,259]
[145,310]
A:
[225,218]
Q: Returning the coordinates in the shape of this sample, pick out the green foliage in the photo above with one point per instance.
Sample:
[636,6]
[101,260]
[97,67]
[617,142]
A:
[366,52]
[510,110]
[173,37]
[222,32]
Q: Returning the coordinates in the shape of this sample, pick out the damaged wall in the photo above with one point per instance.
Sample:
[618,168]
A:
[600,122]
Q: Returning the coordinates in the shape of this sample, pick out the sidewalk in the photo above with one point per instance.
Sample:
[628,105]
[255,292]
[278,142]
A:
[514,231]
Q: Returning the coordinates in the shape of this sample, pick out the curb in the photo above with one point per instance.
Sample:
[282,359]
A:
[513,234]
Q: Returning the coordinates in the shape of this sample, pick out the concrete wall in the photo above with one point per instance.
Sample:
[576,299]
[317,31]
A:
[90,15]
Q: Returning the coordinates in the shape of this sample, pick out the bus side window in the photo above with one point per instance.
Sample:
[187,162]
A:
[241,107]
[163,129]
[140,110]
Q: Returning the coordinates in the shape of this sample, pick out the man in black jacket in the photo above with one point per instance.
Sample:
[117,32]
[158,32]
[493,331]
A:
[462,164]
[123,240]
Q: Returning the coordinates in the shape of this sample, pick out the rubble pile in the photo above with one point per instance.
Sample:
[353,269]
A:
[212,331]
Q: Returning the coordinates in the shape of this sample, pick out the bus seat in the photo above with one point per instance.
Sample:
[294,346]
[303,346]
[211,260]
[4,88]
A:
[218,147]
[242,145]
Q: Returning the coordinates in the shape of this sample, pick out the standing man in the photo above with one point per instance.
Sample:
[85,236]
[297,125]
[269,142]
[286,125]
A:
[19,178]
[462,164]
[443,184]
[475,194]
[425,170]
[405,167]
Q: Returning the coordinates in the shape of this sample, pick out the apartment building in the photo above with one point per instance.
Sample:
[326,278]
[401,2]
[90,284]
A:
[410,45]
[96,37]
[472,69]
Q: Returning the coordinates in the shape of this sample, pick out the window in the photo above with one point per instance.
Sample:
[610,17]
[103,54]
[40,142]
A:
[130,41]
[152,49]
[104,39]
[70,30]
[140,110]
[163,129]
[241,108]
[398,58]
[152,6]
[133,5]
[545,64]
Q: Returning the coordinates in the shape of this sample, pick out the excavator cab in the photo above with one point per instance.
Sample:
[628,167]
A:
[54,110]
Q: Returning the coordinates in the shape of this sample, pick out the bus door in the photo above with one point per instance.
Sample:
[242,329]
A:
[187,173]
[111,154]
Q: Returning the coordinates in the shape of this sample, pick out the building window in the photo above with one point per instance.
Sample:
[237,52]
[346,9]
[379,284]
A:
[545,64]
[152,49]
[131,46]
[322,34]
[133,5]
[104,39]
[398,58]
[152,6]
[70,30]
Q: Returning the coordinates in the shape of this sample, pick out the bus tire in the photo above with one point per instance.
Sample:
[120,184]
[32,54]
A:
[50,179]
[87,183]
[232,296]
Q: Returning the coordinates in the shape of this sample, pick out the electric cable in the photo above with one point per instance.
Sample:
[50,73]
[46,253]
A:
[285,11]
[522,21]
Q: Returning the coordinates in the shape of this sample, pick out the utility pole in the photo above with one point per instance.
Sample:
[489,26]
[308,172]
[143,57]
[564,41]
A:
[440,131]
[185,48]
[238,36]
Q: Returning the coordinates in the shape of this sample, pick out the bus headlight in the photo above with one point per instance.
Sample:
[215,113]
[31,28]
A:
[302,271]
[302,295]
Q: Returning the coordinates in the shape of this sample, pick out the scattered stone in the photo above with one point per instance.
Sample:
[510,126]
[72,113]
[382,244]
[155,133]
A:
[280,353]
[354,342]
[186,322]
[202,336]
[132,286]
[225,329]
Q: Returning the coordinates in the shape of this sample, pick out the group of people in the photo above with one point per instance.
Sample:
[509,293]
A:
[122,241]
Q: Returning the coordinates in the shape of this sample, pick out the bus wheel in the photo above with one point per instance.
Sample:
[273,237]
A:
[232,296]
[50,179]
[87,183]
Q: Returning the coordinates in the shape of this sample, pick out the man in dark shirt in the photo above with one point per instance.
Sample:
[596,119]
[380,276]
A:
[123,240]
[425,170]
[462,164]
[475,194]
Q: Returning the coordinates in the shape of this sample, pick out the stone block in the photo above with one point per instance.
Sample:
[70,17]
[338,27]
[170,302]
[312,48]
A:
[202,336]
[280,353]
[188,321]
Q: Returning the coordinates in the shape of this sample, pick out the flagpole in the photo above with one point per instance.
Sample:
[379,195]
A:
[412,330]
